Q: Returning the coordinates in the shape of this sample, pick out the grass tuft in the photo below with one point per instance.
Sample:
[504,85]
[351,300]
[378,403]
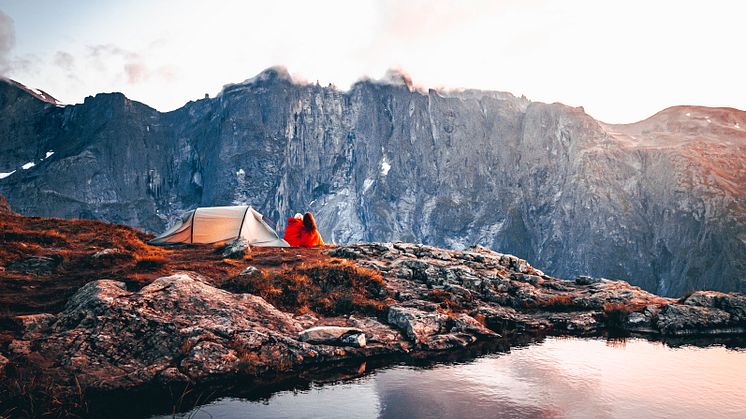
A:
[327,287]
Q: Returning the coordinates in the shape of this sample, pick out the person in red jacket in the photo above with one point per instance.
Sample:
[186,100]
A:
[302,232]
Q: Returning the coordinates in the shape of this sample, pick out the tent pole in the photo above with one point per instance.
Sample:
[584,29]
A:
[238,236]
[191,227]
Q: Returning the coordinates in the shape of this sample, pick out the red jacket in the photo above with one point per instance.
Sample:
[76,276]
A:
[303,233]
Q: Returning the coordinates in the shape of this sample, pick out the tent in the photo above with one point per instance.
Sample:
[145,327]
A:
[219,224]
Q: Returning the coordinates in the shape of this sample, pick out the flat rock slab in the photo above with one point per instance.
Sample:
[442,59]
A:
[333,335]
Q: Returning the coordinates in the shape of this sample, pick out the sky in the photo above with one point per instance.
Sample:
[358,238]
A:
[622,61]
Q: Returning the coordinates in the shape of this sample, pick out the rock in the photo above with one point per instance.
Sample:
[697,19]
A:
[236,249]
[376,331]
[586,280]
[327,334]
[355,340]
[124,339]
[448,341]
[417,324]
[208,358]
[250,271]
[306,320]
[172,375]
[110,257]
[104,253]
[676,319]
[498,318]
[640,322]
[466,324]
[735,304]
[35,264]
[345,252]
[35,324]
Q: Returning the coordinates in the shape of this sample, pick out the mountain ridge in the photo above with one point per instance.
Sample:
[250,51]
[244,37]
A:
[380,162]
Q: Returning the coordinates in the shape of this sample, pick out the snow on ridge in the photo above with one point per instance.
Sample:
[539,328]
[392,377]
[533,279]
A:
[6,174]
[28,165]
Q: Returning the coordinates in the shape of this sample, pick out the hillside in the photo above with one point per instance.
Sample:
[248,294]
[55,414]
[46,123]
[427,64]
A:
[661,203]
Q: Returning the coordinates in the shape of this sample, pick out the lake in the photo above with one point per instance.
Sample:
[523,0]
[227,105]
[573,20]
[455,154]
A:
[559,377]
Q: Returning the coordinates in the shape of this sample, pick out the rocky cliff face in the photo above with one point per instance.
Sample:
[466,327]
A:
[661,203]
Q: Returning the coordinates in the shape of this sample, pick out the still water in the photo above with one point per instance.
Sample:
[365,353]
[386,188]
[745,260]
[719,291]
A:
[559,377]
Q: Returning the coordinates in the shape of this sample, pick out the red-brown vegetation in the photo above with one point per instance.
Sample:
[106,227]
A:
[85,251]
[150,263]
[615,315]
[325,286]
[557,303]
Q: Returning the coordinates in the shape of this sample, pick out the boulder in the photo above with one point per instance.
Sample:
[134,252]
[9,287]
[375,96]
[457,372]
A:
[35,324]
[586,280]
[236,249]
[355,340]
[35,264]
[448,341]
[104,253]
[417,324]
[679,319]
[112,338]
[735,304]
[376,331]
[466,324]
[250,271]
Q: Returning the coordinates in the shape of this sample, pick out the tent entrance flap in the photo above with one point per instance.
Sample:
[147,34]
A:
[218,224]
[259,231]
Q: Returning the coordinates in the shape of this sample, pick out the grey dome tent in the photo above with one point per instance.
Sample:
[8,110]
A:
[219,224]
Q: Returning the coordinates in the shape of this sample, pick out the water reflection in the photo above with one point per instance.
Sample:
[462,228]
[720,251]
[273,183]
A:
[559,377]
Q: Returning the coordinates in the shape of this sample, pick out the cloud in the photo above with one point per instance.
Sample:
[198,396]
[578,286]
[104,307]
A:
[131,63]
[136,72]
[64,60]
[7,41]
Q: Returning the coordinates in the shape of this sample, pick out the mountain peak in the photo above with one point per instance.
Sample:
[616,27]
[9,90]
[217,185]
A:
[36,93]
[271,74]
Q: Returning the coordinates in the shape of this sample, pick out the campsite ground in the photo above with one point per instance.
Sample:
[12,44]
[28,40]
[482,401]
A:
[63,255]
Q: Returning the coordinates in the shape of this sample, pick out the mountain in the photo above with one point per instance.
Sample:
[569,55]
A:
[661,203]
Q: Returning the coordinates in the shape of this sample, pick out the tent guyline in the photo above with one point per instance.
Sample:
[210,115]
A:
[220,224]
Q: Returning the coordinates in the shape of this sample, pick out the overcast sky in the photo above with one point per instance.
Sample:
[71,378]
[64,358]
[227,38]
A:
[623,61]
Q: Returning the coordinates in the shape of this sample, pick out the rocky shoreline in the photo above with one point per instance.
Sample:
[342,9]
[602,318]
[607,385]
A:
[188,328]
